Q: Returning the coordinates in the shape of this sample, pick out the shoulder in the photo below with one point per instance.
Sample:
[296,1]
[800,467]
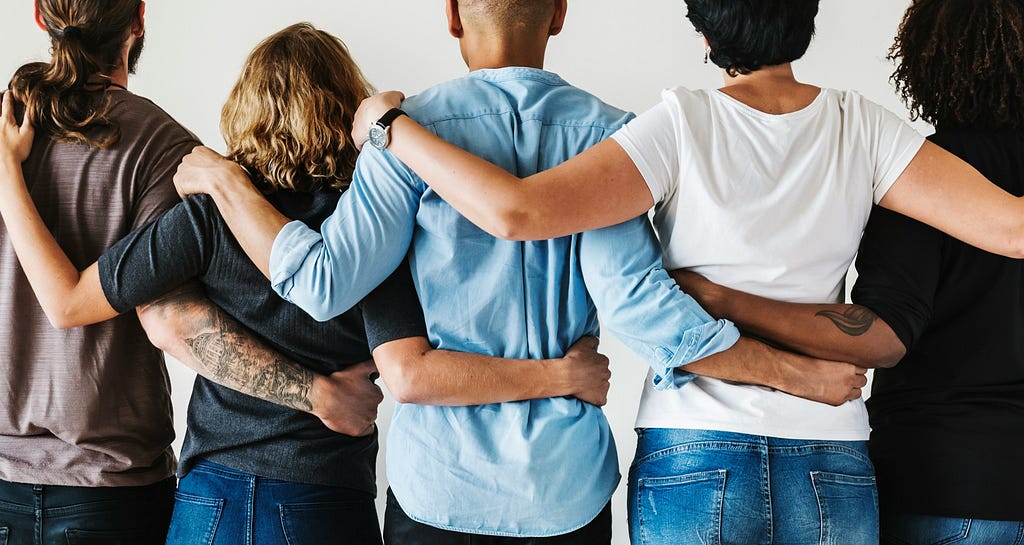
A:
[139,114]
[856,107]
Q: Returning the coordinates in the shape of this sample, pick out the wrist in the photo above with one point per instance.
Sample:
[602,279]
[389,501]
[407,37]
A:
[318,391]
[558,379]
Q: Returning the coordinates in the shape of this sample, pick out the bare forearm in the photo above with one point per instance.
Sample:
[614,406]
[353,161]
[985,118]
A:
[203,337]
[840,332]
[600,187]
[68,298]
[752,362]
[253,221]
[491,205]
[414,372]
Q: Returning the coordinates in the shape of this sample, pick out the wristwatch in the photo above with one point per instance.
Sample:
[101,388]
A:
[380,132]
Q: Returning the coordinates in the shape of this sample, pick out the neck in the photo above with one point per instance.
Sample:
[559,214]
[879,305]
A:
[768,76]
[482,51]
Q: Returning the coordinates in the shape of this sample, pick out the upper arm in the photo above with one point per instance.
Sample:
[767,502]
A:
[943,191]
[155,192]
[358,246]
[899,267]
[597,188]
[392,310]
[614,181]
[163,255]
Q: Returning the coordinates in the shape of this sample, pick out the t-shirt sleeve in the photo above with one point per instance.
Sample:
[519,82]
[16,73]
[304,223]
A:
[898,268]
[651,141]
[893,144]
[161,255]
[154,192]
[392,311]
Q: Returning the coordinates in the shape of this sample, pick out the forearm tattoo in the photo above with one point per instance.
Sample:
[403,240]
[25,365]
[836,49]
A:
[230,355]
[854,321]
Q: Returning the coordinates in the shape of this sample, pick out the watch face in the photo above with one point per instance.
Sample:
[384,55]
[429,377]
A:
[378,136]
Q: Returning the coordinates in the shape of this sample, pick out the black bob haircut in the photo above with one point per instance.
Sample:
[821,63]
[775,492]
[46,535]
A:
[746,35]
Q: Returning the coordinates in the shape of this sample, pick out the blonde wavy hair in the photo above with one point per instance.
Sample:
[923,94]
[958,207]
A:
[289,117]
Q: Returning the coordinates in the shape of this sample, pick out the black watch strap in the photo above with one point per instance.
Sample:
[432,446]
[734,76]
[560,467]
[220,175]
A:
[389,117]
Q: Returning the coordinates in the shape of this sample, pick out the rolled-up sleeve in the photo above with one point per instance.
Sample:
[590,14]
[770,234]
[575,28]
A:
[638,301]
[366,238]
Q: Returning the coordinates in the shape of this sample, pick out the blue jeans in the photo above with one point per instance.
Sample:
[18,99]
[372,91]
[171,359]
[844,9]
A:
[36,514]
[711,488]
[906,529]
[217,505]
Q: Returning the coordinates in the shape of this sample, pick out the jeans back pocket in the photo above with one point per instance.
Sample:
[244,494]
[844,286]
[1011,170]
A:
[195,520]
[75,536]
[924,530]
[849,508]
[340,522]
[680,509]
[3,535]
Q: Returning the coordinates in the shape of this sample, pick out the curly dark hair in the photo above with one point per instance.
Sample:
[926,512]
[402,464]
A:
[746,35]
[960,63]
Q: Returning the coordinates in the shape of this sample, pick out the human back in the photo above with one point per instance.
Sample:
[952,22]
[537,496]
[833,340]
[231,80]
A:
[102,164]
[525,120]
[291,134]
[769,204]
[88,419]
[956,395]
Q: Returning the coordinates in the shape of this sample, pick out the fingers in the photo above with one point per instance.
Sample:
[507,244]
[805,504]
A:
[8,109]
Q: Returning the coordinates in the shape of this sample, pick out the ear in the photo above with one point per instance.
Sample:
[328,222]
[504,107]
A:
[454,20]
[558,19]
[39,17]
[139,27]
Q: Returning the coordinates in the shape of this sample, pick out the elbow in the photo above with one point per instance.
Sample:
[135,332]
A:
[882,356]
[402,383]
[158,331]
[64,319]
[60,321]
[509,223]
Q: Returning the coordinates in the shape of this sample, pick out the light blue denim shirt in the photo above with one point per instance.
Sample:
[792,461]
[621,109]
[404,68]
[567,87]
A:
[533,468]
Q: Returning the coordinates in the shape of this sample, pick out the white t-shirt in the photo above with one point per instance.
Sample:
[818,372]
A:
[773,205]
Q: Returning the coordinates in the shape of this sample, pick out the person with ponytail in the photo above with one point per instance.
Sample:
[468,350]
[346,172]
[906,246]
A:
[85,426]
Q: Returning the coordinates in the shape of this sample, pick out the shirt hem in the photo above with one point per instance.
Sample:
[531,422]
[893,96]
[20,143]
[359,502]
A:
[766,431]
[501,533]
[50,477]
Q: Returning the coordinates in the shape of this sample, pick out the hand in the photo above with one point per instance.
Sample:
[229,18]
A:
[203,170]
[704,291]
[370,110]
[588,372]
[347,400]
[824,381]
[15,141]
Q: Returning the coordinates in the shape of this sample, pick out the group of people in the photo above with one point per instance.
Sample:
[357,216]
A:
[464,256]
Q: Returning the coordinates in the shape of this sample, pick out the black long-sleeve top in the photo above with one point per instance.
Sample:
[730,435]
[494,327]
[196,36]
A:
[948,421]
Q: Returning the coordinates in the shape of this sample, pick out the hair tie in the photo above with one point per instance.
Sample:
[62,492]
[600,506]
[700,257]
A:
[70,31]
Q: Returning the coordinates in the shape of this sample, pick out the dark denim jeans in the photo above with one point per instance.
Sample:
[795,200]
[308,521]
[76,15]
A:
[217,505]
[34,514]
[906,529]
[399,529]
[711,488]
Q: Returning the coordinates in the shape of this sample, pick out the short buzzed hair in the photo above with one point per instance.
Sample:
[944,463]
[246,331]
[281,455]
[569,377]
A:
[508,14]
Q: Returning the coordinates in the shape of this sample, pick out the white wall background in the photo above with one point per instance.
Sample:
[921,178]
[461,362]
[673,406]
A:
[623,51]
